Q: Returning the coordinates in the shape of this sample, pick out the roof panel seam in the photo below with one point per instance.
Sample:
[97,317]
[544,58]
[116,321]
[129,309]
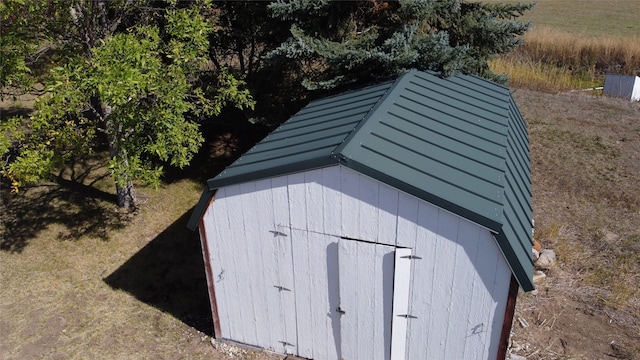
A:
[462,101]
[472,115]
[500,98]
[431,175]
[501,135]
[501,169]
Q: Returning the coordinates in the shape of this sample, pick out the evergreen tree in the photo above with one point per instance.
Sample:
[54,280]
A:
[340,43]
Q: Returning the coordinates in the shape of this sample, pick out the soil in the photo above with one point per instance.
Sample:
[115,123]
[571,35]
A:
[551,325]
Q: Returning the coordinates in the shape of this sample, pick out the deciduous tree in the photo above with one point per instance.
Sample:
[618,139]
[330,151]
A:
[136,89]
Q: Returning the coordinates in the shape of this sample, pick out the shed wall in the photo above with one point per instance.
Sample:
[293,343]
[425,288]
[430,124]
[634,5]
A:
[458,290]
[622,86]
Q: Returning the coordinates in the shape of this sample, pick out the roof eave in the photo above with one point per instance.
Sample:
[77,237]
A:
[523,272]
[199,209]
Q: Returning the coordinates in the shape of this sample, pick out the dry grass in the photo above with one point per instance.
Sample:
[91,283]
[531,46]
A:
[538,76]
[554,61]
[585,18]
[81,280]
[610,54]
[585,173]
[585,168]
[573,44]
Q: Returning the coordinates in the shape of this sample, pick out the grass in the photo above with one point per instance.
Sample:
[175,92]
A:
[586,199]
[539,76]
[585,18]
[602,53]
[550,60]
[573,43]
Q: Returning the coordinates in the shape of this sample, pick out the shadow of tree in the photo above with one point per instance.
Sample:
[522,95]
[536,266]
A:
[72,201]
[168,273]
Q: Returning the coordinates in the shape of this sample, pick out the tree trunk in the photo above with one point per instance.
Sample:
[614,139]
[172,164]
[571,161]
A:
[126,196]
[125,193]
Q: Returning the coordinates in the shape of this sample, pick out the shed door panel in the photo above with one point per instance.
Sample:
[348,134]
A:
[263,271]
[285,332]
[366,299]
[315,259]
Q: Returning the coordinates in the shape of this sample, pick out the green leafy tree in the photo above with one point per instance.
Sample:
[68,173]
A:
[338,43]
[138,90]
[26,30]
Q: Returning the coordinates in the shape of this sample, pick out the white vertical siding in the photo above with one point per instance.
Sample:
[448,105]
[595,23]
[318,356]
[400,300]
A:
[260,232]
[366,288]
[316,290]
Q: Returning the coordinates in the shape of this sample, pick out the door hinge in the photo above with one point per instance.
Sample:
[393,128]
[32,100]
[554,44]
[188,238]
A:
[277,233]
[407,316]
[339,310]
[286,343]
[410,257]
[281,288]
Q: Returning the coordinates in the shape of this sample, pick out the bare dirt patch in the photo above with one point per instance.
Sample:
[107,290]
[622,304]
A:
[585,161]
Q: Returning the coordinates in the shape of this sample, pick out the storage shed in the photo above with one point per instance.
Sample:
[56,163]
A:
[622,86]
[391,222]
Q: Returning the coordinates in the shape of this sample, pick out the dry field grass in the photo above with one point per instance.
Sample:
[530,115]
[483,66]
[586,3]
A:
[586,18]
[573,43]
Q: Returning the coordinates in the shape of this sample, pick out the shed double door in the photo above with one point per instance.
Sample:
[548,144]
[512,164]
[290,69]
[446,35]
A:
[350,296]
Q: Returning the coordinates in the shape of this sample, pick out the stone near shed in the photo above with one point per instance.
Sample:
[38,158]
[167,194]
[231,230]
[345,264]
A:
[536,245]
[536,254]
[538,276]
[516,357]
[546,260]
[610,237]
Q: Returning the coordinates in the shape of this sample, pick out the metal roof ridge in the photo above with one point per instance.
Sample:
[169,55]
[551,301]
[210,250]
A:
[368,115]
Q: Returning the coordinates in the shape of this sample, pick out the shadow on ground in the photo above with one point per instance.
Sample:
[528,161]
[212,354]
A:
[168,274]
[71,201]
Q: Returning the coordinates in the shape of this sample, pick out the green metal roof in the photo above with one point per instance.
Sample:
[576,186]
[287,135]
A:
[459,143]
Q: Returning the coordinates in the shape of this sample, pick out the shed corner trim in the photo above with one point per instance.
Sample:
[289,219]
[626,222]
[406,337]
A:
[206,198]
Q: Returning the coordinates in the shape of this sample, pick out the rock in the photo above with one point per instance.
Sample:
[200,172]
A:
[516,357]
[538,276]
[536,245]
[546,260]
[536,254]
[610,237]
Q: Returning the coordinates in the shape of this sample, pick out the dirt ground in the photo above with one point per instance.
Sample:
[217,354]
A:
[79,280]
[585,160]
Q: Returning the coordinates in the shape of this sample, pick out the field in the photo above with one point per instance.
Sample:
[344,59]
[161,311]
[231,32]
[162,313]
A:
[573,44]
[81,280]
[587,18]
